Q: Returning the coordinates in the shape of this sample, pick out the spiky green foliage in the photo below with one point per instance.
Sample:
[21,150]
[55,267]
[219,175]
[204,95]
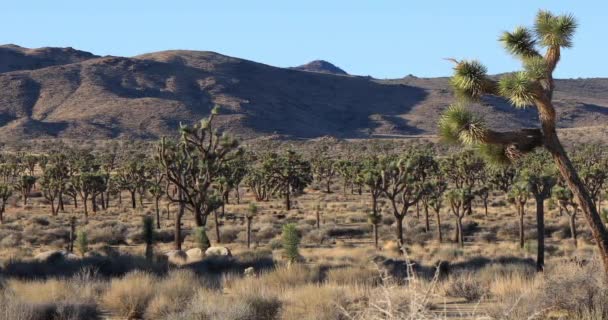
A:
[5,193]
[470,79]
[536,68]
[493,154]
[82,242]
[460,125]
[520,42]
[518,88]
[555,31]
[290,241]
[201,239]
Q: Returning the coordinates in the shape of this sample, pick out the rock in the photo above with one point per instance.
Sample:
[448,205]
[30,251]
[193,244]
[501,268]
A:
[177,257]
[71,256]
[249,272]
[218,251]
[195,254]
[50,256]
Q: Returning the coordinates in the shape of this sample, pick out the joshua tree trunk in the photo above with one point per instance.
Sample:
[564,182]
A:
[156,199]
[438,218]
[61,202]
[318,219]
[217,227]
[178,221]
[540,234]
[328,186]
[520,210]
[133,202]
[418,210]
[485,206]
[248,232]
[287,201]
[460,233]
[2,214]
[573,228]
[86,210]
[400,229]
[375,230]
[427,225]
[565,167]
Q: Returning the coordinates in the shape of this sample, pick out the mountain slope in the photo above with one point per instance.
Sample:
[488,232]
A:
[13,57]
[149,95]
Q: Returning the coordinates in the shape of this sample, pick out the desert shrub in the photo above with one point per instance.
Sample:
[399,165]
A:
[315,237]
[172,294]
[229,234]
[388,220]
[467,286]
[353,276]
[348,232]
[112,235]
[82,242]
[130,295]
[41,221]
[487,236]
[266,232]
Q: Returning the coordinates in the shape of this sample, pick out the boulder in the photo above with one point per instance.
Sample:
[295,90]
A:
[178,257]
[249,272]
[218,251]
[195,254]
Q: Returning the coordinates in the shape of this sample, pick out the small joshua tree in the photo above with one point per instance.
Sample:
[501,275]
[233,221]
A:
[25,185]
[519,196]
[458,199]
[565,200]
[291,241]
[201,239]
[5,192]
[148,235]
[374,219]
[82,242]
[252,211]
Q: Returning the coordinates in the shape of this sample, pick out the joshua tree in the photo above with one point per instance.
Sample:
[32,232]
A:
[25,185]
[400,185]
[132,176]
[323,167]
[5,192]
[540,175]
[252,211]
[518,195]
[592,162]
[291,241]
[483,192]
[344,168]
[533,86]
[52,184]
[565,199]
[289,174]
[156,183]
[194,165]
[371,176]
[85,185]
[148,235]
[231,175]
[458,199]
[374,219]
[434,197]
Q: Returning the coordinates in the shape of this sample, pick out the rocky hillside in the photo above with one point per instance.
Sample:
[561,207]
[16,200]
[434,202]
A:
[66,93]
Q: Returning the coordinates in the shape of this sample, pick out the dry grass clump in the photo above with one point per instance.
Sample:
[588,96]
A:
[465,285]
[567,291]
[129,296]
[356,276]
[173,294]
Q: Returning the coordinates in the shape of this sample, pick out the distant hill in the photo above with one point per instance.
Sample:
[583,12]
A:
[54,92]
[13,57]
[321,66]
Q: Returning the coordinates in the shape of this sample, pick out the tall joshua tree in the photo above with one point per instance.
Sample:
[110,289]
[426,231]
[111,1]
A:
[533,86]
[539,173]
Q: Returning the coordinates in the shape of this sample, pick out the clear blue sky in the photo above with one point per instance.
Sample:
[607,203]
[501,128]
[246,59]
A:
[382,38]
